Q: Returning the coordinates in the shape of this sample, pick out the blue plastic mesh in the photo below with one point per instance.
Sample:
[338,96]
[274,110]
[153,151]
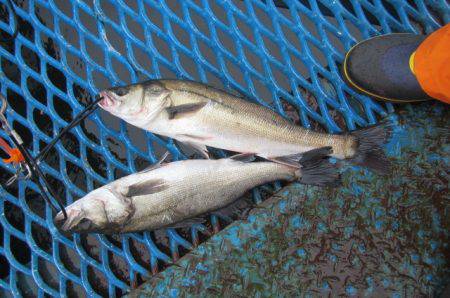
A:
[286,59]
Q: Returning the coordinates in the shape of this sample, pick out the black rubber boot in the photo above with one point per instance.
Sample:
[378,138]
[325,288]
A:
[379,67]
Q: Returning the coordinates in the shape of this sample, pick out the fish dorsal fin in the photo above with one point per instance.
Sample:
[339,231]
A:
[244,157]
[145,188]
[180,111]
[157,164]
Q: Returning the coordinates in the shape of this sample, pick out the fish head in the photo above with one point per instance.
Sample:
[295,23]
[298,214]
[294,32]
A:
[134,101]
[100,211]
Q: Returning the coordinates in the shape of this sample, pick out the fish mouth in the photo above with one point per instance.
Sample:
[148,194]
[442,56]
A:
[108,100]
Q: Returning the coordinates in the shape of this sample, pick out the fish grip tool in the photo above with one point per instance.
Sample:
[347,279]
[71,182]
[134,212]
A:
[24,162]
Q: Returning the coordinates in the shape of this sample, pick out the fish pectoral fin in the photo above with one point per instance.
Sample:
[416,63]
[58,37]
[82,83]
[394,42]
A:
[187,223]
[180,111]
[197,147]
[145,188]
[158,164]
[244,157]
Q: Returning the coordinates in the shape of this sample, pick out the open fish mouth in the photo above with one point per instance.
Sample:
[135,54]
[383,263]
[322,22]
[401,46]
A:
[108,100]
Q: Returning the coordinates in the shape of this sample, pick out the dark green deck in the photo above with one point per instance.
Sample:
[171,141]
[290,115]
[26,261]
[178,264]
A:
[375,235]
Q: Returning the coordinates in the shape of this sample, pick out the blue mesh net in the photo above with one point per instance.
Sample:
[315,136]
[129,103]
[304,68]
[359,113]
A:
[287,59]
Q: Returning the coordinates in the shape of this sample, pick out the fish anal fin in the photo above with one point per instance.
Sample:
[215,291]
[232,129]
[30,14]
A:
[197,147]
[145,188]
[239,209]
[187,223]
[180,111]
[244,157]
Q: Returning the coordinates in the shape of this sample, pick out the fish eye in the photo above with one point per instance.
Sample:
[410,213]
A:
[120,91]
[155,89]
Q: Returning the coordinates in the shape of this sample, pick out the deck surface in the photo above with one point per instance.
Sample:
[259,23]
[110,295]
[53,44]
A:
[375,235]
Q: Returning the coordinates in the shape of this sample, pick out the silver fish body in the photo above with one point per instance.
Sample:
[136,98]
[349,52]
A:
[168,194]
[202,116]
[174,192]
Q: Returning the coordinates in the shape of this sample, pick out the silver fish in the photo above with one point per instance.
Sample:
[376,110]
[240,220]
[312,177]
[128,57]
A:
[171,194]
[200,115]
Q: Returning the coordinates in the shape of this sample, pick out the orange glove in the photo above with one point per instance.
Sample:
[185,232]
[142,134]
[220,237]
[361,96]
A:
[15,156]
[431,64]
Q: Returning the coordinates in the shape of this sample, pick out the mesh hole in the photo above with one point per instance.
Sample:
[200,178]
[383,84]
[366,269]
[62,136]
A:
[25,29]
[246,31]
[218,12]
[57,78]
[76,65]
[282,80]
[35,202]
[142,58]
[74,290]
[50,47]
[291,111]
[4,267]
[63,109]
[121,70]
[390,9]
[319,57]
[37,90]
[110,10]
[69,34]
[98,281]
[189,66]
[227,42]
[20,251]
[208,53]
[65,7]
[263,18]
[154,16]
[180,34]
[199,23]
[162,47]
[31,59]
[263,92]
[70,259]
[135,28]
[117,149]
[140,253]
[119,267]
[95,52]
[49,273]
[14,215]
[88,22]
[97,162]
[24,133]
[58,187]
[26,285]
[235,72]
[43,122]
[115,40]
[81,95]
[175,7]
[91,245]
[11,71]
[17,103]
[100,80]
[371,18]
[44,16]
[90,130]
[76,175]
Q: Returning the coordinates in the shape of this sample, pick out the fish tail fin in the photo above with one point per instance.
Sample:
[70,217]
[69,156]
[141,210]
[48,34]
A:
[314,167]
[369,152]
[317,169]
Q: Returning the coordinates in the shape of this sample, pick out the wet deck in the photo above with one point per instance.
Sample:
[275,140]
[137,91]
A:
[375,235]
